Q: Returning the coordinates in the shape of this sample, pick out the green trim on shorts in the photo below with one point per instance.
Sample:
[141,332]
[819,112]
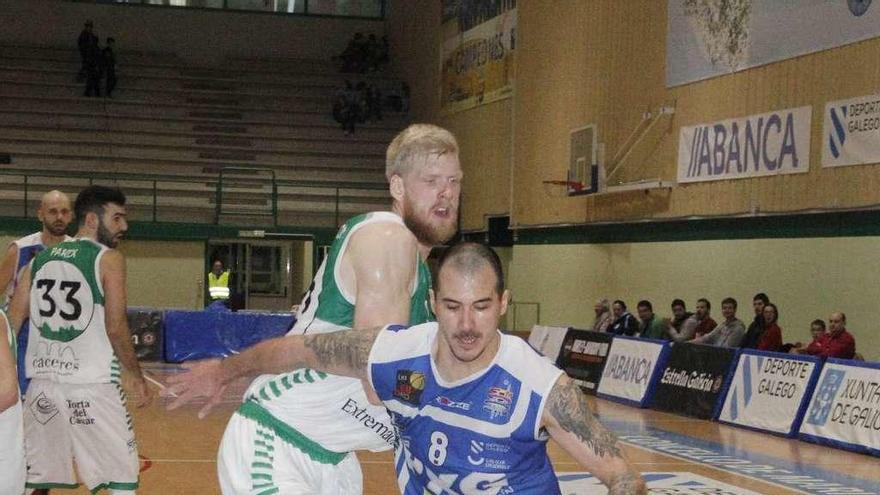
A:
[115,485]
[251,410]
[49,486]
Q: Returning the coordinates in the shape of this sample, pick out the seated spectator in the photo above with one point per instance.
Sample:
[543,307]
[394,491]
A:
[771,338]
[756,327]
[728,333]
[679,314]
[836,343]
[603,316]
[624,323]
[817,331]
[697,325]
[650,326]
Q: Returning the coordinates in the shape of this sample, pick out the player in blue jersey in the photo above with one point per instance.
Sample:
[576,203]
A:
[55,214]
[474,407]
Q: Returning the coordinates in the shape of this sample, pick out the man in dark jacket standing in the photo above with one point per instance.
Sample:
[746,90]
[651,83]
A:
[108,58]
[86,40]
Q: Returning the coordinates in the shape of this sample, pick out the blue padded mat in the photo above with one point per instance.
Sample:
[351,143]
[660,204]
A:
[206,334]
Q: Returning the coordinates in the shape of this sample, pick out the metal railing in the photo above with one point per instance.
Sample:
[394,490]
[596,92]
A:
[175,190]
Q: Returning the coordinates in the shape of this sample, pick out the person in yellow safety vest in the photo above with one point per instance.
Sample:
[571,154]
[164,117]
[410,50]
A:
[218,282]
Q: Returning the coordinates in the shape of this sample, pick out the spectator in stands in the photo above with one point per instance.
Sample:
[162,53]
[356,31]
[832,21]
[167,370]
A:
[836,343]
[756,327]
[679,314]
[354,58]
[650,326]
[817,331]
[728,333]
[93,69]
[604,319]
[771,338]
[624,322]
[699,324]
[108,61]
[346,109]
[86,40]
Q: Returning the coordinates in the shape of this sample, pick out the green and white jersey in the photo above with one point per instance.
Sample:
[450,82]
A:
[68,340]
[325,415]
[327,307]
[12,457]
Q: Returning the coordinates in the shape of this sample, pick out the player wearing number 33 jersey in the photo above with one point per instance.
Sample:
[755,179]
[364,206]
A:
[73,295]
[68,341]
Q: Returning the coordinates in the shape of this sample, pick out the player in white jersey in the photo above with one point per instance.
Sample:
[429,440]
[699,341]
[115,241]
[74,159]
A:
[474,407]
[12,466]
[55,215]
[296,432]
[74,297]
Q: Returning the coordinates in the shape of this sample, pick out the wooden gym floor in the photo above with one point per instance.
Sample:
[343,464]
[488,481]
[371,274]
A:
[689,455]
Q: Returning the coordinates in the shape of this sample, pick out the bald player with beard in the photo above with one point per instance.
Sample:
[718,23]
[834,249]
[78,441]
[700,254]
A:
[296,432]
[55,214]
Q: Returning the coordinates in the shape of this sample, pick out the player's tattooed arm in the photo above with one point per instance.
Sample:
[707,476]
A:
[341,353]
[571,423]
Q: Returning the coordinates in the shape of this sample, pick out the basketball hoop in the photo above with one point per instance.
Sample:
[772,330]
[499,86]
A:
[567,187]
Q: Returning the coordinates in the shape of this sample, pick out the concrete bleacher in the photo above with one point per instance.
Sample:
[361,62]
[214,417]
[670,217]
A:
[170,128]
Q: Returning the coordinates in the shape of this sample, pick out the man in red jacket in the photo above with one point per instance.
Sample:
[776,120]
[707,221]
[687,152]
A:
[836,343]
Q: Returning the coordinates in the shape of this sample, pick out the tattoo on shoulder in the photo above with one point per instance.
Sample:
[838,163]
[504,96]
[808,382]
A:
[346,350]
[569,406]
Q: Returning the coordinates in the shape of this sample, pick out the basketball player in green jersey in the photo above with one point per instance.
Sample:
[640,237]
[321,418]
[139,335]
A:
[12,466]
[296,432]
[74,294]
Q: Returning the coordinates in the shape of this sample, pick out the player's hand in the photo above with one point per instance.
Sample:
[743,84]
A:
[143,392]
[201,379]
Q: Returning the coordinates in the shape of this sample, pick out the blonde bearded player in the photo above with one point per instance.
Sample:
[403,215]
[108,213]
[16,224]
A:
[295,433]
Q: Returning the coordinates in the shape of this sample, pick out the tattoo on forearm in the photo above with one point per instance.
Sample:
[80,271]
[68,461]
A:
[347,351]
[626,484]
[569,406]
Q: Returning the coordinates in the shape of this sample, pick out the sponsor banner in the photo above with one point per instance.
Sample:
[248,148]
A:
[691,382]
[146,333]
[478,41]
[583,355]
[683,483]
[707,38]
[851,132]
[845,408]
[547,340]
[770,391]
[772,143]
[632,369]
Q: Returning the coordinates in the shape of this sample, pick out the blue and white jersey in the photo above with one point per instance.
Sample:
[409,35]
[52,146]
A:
[478,435]
[28,247]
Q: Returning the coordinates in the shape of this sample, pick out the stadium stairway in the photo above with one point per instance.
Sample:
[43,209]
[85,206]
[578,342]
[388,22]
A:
[170,129]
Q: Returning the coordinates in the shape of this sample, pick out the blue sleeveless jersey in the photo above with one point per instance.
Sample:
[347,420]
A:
[478,435]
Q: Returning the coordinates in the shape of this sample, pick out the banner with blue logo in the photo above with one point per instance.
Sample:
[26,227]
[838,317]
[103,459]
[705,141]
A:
[845,408]
[770,391]
[632,369]
[773,143]
[851,132]
[711,38]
